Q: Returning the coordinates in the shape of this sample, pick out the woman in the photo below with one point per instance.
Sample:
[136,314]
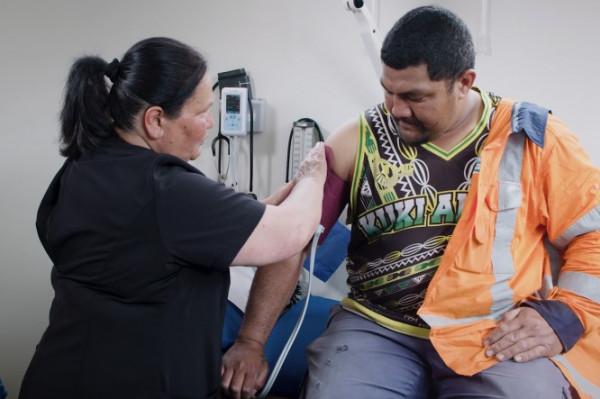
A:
[141,240]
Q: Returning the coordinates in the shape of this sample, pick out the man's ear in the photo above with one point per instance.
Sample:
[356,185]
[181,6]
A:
[154,122]
[465,81]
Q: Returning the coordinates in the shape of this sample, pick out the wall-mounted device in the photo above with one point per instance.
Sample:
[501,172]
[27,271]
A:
[304,135]
[240,114]
[234,111]
[368,31]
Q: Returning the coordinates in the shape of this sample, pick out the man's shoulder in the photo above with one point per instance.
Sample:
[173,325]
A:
[343,144]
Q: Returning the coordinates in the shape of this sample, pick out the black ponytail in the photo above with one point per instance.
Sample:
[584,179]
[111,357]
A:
[156,71]
[84,120]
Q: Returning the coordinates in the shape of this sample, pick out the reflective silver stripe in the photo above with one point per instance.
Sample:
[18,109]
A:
[440,321]
[582,383]
[587,223]
[555,258]
[514,118]
[582,284]
[509,200]
[556,262]
[547,285]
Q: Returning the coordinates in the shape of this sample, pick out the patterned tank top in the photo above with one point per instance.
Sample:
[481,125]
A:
[404,204]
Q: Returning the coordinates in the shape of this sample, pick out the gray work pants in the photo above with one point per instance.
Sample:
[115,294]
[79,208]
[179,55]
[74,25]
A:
[358,359]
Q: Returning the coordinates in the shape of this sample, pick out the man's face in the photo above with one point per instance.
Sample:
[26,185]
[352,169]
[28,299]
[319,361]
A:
[423,109]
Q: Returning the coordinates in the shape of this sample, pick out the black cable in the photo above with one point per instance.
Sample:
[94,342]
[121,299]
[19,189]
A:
[251,142]
[218,135]
[287,165]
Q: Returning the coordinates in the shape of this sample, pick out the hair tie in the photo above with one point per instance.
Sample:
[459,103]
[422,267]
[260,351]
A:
[112,70]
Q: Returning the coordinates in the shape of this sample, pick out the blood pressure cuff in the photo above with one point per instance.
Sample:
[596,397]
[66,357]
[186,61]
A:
[333,242]
[335,197]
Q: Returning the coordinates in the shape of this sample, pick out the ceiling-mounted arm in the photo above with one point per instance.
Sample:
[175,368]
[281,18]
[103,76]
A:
[484,40]
[368,31]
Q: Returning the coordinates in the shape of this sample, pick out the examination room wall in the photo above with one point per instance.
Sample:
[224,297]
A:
[305,58]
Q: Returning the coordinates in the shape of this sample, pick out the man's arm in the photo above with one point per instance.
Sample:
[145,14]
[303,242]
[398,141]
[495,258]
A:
[270,285]
[554,325]
[245,368]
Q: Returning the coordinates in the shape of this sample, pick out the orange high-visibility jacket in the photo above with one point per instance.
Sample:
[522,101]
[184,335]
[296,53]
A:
[530,229]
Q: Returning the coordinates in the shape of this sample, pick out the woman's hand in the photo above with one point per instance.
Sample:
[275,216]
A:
[285,229]
[314,165]
[280,194]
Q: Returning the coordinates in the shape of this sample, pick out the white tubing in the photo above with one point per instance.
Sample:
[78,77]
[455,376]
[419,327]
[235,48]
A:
[292,338]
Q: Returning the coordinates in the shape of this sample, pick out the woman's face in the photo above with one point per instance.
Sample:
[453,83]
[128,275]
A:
[185,134]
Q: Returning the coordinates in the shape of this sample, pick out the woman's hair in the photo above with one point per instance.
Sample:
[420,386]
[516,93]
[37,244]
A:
[432,36]
[156,71]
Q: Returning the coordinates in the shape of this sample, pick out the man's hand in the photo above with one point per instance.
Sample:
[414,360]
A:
[244,370]
[522,335]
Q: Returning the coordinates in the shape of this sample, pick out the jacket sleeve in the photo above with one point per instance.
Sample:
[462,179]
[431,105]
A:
[561,318]
[572,191]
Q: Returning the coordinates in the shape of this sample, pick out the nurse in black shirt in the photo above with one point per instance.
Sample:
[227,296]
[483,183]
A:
[142,241]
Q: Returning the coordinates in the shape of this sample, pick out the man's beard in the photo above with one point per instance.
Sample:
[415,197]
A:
[421,138]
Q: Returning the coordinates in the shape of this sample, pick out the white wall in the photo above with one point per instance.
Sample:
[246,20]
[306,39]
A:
[304,57]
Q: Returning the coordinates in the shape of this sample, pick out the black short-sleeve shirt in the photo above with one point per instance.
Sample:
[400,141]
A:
[141,244]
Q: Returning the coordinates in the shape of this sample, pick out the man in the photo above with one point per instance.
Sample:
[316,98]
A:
[474,260]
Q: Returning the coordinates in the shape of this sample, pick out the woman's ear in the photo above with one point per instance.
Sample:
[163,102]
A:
[154,122]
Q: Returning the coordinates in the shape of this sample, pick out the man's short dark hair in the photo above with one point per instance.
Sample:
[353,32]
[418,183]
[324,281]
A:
[432,36]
